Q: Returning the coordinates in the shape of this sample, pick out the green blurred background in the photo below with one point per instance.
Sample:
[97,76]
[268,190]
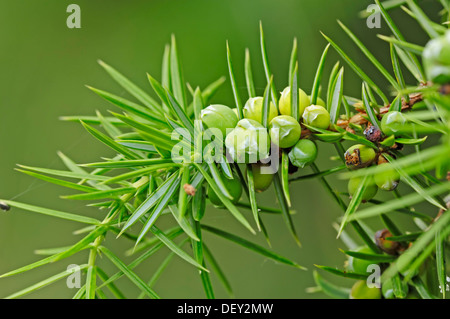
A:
[45,65]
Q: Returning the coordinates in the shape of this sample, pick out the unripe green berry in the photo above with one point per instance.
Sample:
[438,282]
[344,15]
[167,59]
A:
[359,155]
[220,117]
[360,290]
[388,246]
[316,116]
[387,180]
[360,265]
[284,131]
[436,59]
[284,104]
[303,153]
[370,191]
[233,186]
[392,123]
[253,109]
[261,181]
[248,142]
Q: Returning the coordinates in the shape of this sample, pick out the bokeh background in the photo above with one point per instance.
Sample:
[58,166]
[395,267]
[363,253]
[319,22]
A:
[45,65]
